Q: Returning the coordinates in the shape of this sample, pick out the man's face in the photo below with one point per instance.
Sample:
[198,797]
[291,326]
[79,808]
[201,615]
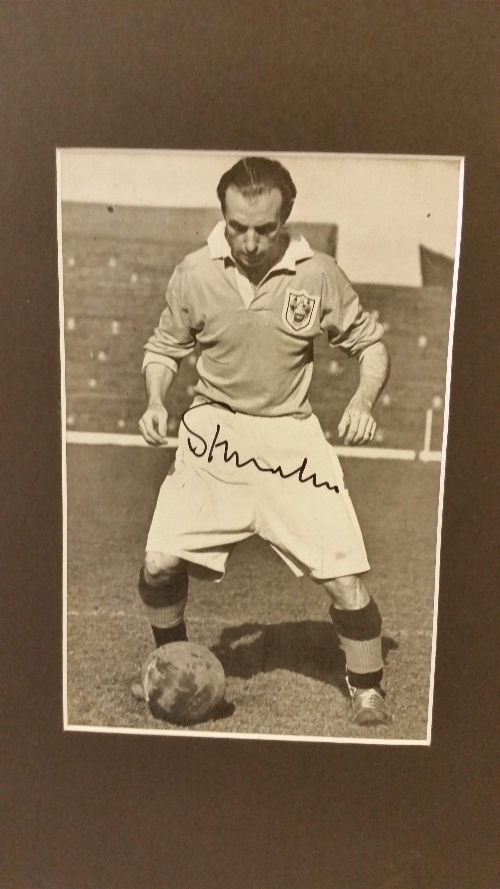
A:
[254,227]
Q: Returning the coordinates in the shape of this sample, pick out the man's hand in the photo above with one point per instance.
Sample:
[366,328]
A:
[357,423]
[153,425]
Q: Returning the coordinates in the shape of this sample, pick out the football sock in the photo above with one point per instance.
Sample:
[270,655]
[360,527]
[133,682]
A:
[165,603]
[359,635]
[165,635]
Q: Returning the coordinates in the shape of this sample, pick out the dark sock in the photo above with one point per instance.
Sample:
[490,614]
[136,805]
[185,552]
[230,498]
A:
[359,633]
[165,635]
[357,624]
[166,594]
[365,680]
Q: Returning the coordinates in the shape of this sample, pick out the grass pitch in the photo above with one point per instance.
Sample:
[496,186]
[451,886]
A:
[271,631]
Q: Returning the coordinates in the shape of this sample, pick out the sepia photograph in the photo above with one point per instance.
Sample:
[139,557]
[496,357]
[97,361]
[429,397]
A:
[256,354]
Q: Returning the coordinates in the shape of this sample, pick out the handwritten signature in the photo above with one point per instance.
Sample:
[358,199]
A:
[299,472]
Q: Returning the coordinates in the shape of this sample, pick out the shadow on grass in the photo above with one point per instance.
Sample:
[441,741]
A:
[309,647]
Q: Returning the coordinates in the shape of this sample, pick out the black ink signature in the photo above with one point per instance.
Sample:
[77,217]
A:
[299,471]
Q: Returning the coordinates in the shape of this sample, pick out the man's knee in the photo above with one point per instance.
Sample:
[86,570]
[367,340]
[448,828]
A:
[163,582]
[348,592]
[162,566]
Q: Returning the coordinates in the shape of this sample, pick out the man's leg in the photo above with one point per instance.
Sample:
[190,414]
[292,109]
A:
[163,587]
[356,619]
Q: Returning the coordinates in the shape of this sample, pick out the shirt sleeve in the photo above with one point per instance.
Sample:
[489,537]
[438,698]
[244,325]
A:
[173,339]
[348,325]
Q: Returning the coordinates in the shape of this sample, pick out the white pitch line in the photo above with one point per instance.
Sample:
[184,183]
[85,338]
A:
[113,438]
[121,439]
[430,456]
[140,616]
[429,415]
[375,453]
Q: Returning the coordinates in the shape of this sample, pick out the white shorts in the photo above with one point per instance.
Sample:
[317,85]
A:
[209,502]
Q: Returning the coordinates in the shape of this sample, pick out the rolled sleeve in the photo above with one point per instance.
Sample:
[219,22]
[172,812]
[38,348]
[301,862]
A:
[173,339]
[348,325]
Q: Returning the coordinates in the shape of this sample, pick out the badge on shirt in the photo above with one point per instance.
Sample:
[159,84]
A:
[300,310]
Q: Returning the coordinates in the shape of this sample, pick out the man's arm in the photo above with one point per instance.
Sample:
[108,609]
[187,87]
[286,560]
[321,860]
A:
[153,423]
[357,423]
[171,341]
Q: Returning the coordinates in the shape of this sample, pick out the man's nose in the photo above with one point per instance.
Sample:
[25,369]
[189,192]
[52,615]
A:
[251,241]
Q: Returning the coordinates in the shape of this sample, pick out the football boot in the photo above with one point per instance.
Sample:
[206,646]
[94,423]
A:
[368,706]
[137,690]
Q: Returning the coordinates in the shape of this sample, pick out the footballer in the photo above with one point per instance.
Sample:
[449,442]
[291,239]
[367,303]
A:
[252,457]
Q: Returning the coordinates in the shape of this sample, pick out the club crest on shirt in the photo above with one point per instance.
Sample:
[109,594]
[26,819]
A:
[300,309]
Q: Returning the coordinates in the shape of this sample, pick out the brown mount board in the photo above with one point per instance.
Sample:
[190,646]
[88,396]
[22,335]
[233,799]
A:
[112,812]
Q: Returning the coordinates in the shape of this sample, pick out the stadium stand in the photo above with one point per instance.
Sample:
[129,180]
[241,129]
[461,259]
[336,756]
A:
[436,268]
[116,264]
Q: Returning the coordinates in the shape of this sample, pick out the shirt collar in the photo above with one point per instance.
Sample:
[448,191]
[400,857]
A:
[297,250]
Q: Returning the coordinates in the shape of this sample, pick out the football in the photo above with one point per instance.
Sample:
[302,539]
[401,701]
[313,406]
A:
[184,683]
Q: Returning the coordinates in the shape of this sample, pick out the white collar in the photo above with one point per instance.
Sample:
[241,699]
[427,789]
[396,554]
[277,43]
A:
[297,249]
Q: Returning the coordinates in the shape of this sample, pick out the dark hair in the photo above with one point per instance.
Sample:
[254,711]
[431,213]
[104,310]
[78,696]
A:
[255,175]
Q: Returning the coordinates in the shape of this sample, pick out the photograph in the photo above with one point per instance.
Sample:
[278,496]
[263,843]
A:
[256,354]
